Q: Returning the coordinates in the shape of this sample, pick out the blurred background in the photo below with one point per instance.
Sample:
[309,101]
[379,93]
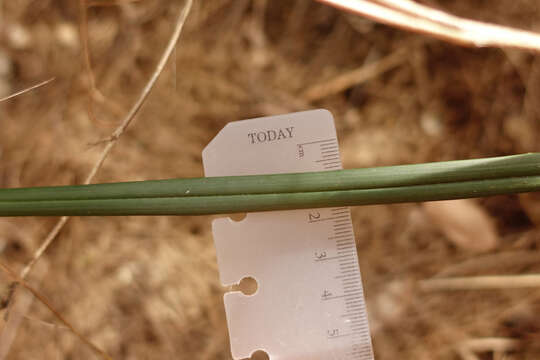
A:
[148,287]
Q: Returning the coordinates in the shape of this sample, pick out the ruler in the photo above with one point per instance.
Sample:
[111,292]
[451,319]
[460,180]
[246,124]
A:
[309,303]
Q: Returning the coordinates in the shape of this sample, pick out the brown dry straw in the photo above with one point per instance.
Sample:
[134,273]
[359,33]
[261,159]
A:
[105,152]
[44,301]
[409,15]
[119,131]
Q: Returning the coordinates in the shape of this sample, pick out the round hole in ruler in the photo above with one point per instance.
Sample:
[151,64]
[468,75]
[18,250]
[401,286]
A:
[238,216]
[248,286]
[259,355]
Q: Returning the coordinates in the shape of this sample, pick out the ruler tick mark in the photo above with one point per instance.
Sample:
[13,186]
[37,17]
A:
[347,276]
[325,160]
[345,242]
[317,142]
[345,239]
[326,219]
[354,282]
[341,238]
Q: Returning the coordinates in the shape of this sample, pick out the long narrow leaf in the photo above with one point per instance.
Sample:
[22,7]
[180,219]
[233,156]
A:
[368,178]
[264,202]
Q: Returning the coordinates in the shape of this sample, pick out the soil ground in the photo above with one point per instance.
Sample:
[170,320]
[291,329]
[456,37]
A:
[147,287]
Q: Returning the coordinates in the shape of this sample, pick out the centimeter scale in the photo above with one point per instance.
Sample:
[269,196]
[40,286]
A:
[309,303]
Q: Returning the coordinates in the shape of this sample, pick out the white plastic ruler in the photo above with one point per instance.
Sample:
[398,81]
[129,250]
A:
[309,303]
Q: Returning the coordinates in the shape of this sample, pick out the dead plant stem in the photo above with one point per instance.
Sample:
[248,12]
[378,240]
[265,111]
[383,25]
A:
[119,130]
[17,279]
[412,16]
[24,91]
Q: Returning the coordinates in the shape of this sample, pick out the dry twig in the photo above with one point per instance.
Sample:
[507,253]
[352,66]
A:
[354,77]
[468,348]
[119,131]
[83,31]
[24,91]
[482,282]
[94,94]
[110,144]
[44,301]
[483,263]
[100,3]
[409,15]
[17,312]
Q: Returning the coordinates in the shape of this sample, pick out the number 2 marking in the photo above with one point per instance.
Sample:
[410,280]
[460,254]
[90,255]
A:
[315,215]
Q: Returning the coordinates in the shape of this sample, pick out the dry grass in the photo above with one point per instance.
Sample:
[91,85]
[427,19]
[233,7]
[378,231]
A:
[410,15]
[143,287]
